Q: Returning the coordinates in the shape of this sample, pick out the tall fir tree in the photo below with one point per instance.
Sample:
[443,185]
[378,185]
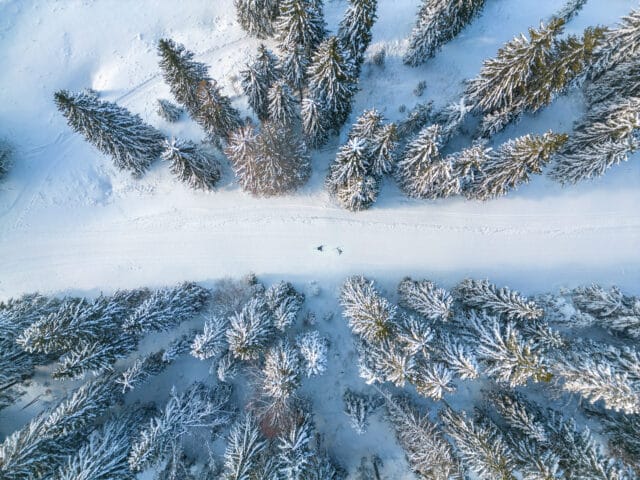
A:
[439,21]
[332,83]
[257,17]
[132,144]
[512,164]
[355,27]
[602,139]
[191,164]
[182,73]
[258,78]
[620,44]
[421,172]
[283,107]
[300,24]
[215,113]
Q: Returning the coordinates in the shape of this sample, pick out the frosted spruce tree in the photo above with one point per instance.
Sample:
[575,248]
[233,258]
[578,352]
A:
[359,407]
[169,111]
[332,83]
[257,17]
[384,150]
[215,113]
[439,21]
[425,298]
[198,406]
[258,78]
[294,66]
[245,448]
[300,24]
[347,173]
[312,349]
[314,123]
[132,144]
[283,106]
[354,31]
[182,73]
[280,378]
[422,173]
[251,330]
[428,453]
[211,342]
[602,139]
[284,302]
[274,161]
[610,308]
[620,44]
[512,164]
[191,164]
[483,295]
[508,76]
[616,83]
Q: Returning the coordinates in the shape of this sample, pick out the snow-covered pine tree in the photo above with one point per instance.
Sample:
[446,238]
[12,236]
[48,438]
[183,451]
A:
[300,24]
[483,295]
[620,81]
[352,162]
[167,307]
[358,193]
[16,365]
[5,158]
[512,164]
[332,82]
[228,367]
[215,113]
[182,73]
[415,335]
[257,79]
[191,164]
[457,357]
[280,378]
[354,30]
[507,356]
[566,64]
[273,162]
[428,453]
[105,454]
[425,298]
[623,437]
[386,361]
[283,107]
[366,126]
[432,380]
[602,139]
[295,454]
[294,64]
[422,173]
[212,341]
[611,308]
[369,314]
[115,131]
[507,76]
[42,446]
[257,17]
[417,118]
[467,164]
[245,448]
[169,111]
[383,148]
[313,351]
[285,303]
[198,406]
[359,407]
[597,378]
[480,445]
[620,44]
[439,21]
[250,330]
[314,122]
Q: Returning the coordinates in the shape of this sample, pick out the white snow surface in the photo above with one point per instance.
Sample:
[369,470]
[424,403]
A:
[69,222]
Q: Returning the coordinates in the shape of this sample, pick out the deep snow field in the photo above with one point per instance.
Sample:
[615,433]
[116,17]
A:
[71,223]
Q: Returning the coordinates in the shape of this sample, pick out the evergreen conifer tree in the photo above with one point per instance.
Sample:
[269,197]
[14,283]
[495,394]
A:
[354,31]
[422,173]
[313,351]
[359,407]
[245,448]
[169,111]
[425,298]
[250,330]
[283,108]
[314,122]
[384,147]
[191,165]
[620,44]
[512,164]
[258,78]
[215,114]
[428,453]
[285,303]
[294,64]
[438,22]
[273,162]
[300,24]
[183,74]
[332,83]
[211,342]
[257,17]
[132,144]
[602,139]
[611,309]
[616,83]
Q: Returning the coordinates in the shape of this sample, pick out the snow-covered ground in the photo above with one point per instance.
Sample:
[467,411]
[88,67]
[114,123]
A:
[70,222]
